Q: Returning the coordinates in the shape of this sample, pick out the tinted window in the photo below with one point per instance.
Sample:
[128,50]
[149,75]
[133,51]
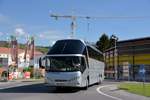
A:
[94,54]
[68,47]
[64,63]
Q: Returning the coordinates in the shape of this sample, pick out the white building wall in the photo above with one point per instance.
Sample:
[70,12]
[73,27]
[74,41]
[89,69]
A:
[21,61]
[7,56]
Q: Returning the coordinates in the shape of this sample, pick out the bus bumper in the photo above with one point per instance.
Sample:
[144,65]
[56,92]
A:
[63,84]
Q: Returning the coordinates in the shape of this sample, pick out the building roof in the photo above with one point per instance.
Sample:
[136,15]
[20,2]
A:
[134,42]
[136,39]
[131,42]
[4,50]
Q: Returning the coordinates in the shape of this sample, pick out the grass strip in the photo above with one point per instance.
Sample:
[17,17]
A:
[136,88]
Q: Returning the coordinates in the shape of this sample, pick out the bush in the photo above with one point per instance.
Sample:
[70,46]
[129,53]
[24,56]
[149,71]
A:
[1,65]
[27,69]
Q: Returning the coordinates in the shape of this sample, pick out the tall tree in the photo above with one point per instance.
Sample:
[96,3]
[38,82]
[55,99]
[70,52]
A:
[32,48]
[103,43]
[14,49]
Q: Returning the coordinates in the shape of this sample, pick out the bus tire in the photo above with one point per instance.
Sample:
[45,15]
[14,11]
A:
[87,84]
[99,80]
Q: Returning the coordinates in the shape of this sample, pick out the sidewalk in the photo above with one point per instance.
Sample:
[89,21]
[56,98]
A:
[19,82]
[114,91]
[27,80]
[23,80]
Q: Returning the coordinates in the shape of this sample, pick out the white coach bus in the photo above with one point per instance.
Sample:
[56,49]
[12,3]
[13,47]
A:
[73,63]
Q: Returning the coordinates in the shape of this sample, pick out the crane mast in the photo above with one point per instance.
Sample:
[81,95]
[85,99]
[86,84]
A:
[73,23]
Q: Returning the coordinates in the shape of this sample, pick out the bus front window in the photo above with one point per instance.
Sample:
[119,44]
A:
[67,64]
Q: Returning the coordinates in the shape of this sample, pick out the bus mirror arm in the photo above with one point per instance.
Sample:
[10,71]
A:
[40,63]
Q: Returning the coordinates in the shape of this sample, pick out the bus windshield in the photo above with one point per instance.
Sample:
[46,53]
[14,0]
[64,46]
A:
[67,64]
[67,47]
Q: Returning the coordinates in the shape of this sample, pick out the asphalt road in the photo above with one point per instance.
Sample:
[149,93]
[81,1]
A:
[38,91]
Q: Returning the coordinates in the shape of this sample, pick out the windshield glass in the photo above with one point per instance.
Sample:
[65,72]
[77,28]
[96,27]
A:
[69,63]
[68,47]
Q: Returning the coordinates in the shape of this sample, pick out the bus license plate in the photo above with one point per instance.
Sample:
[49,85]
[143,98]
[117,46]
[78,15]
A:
[60,84]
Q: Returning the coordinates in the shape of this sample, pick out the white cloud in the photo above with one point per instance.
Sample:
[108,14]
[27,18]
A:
[4,19]
[20,32]
[51,35]
[1,17]
[1,33]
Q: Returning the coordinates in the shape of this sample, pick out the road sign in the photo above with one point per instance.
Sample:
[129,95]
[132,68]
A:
[142,70]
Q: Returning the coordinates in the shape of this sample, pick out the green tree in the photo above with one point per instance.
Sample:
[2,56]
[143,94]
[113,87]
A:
[103,43]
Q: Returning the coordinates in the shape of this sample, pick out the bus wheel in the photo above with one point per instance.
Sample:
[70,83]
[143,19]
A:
[99,80]
[87,84]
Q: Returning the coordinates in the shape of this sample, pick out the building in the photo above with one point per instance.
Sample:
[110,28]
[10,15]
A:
[127,59]
[6,60]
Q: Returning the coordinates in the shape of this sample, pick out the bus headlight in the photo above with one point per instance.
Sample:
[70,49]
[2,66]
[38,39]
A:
[75,78]
[49,79]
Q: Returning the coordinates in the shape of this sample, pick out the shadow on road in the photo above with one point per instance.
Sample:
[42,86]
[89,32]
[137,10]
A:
[38,88]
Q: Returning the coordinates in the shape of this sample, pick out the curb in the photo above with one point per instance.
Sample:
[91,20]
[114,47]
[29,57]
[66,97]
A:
[104,94]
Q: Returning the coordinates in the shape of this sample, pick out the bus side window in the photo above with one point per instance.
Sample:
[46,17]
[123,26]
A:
[83,65]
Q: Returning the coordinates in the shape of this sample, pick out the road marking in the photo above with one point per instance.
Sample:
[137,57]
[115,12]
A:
[99,91]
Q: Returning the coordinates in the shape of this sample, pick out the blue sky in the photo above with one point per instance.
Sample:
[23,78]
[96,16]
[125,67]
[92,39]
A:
[31,17]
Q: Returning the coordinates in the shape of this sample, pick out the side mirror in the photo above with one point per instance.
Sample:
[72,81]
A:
[42,62]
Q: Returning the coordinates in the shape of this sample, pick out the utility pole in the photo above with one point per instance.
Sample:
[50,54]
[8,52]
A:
[115,56]
[73,26]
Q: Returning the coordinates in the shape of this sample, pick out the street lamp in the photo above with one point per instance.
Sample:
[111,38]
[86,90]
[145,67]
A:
[115,54]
